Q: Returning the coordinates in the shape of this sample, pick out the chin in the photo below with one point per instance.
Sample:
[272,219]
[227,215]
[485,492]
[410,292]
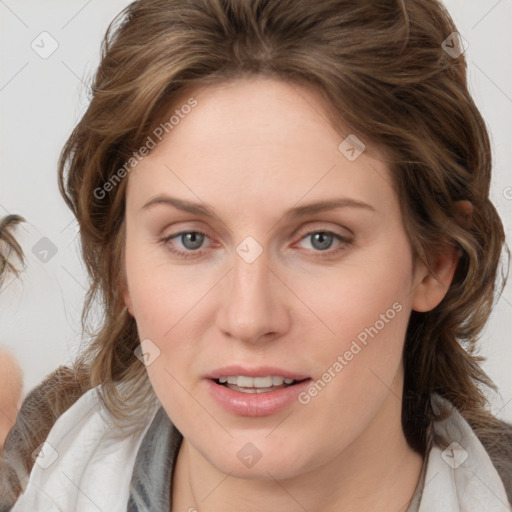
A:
[259,459]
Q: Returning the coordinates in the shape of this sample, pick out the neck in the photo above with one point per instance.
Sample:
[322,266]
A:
[378,471]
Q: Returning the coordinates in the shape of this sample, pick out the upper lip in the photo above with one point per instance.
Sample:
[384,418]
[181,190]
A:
[259,371]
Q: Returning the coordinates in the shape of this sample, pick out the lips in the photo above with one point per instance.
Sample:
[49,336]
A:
[257,391]
[253,402]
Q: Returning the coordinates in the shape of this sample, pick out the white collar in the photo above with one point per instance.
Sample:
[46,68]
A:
[86,466]
[462,477]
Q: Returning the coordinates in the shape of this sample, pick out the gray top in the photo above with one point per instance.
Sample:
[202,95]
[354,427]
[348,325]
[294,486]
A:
[152,473]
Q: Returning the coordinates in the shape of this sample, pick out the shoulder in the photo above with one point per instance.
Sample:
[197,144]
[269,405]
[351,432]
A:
[498,443]
[472,466]
[38,413]
[83,458]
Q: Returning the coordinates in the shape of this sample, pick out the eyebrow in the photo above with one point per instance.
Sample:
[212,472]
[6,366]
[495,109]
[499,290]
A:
[204,210]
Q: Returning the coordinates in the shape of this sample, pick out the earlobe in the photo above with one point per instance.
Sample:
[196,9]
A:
[128,303]
[432,289]
[126,299]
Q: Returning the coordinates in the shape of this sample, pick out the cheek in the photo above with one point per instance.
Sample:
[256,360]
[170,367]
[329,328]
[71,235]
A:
[371,289]
[364,309]
[160,297]
[167,301]
[160,306]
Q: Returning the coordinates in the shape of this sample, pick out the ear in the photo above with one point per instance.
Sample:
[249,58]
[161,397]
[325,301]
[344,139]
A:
[433,287]
[126,298]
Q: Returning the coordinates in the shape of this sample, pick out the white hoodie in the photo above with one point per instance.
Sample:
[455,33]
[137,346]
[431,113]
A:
[86,465]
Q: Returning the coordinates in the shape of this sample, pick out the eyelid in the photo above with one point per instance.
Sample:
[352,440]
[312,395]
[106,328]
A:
[316,226]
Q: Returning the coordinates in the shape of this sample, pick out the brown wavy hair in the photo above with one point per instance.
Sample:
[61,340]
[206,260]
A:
[382,70]
[10,249]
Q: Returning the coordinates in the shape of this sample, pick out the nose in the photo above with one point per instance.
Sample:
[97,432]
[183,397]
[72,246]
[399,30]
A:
[253,302]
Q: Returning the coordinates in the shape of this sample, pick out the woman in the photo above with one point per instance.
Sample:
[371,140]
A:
[284,208]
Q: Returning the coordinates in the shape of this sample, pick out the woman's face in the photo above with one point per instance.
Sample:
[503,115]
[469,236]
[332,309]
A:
[266,284]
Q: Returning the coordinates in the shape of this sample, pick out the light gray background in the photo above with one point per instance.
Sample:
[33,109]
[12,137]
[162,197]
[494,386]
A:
[42,98]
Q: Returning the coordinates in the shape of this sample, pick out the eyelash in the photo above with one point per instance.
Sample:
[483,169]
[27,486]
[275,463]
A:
[345,242]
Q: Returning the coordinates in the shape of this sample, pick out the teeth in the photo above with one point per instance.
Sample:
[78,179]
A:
[262,382]
[243,381]
[277,381]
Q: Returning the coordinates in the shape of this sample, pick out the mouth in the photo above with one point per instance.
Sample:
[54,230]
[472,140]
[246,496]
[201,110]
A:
[246,384]
[263,391]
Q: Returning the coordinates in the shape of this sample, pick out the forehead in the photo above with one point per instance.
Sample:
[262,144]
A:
[260,140]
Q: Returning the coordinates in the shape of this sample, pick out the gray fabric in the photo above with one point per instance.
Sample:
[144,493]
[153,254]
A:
[150,485]
[152,474]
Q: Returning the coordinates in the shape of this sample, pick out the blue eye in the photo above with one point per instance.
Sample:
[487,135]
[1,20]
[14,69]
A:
[192,240]
[321,241]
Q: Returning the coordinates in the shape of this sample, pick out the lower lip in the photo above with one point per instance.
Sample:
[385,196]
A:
[255,404]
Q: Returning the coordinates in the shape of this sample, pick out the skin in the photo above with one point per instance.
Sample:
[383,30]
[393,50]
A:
[11,384]
[252,149]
